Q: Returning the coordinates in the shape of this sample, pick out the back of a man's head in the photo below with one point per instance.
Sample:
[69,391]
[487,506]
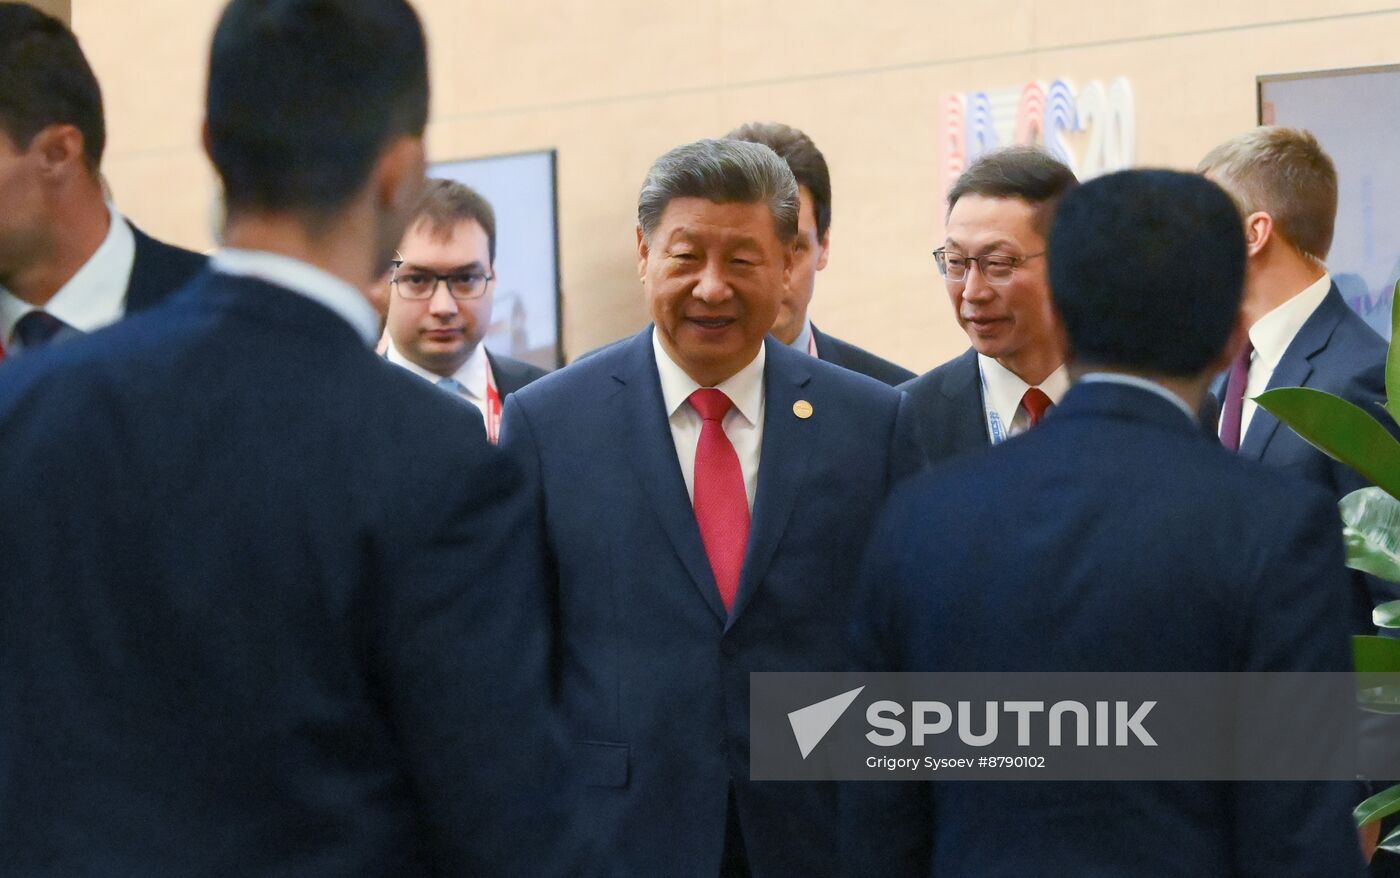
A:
[1025,172]
[304,95]
[807,163]
[1147,272]
[1285,173]
[45,80]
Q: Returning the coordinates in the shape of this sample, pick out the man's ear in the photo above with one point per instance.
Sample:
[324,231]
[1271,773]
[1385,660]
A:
[823,250]
[60,151]
[789,260]
[643,250]
[398,175]
[1258,232]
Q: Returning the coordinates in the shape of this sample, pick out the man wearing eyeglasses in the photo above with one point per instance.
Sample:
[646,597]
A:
[440,298]
[993,262]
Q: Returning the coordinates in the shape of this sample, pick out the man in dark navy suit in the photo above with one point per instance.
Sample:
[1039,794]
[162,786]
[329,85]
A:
[69,262]
[706,495]
[1301,332]
[1113,537]
[268,604]
[994,265]
[794,327]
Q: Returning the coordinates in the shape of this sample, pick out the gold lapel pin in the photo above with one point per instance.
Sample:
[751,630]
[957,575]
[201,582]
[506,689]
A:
[802,408]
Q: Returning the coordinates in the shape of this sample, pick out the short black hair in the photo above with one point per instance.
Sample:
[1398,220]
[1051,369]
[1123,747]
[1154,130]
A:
[305,94]
[1025,172]
[1147,271]
[45,80]
[807,163]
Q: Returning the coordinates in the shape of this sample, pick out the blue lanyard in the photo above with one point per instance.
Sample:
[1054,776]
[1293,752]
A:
[994,426]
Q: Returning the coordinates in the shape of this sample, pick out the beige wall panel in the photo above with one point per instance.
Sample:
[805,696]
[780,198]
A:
[151,59]
[61,9]
[612,85]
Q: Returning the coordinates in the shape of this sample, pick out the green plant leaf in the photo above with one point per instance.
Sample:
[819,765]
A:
[1390,842]
[1379,806]
[1375,655]
[1371,528]
[1387,615]
[1341,430]
[1392,359]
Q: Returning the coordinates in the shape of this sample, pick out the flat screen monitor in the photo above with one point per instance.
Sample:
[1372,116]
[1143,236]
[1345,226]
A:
[1355,115]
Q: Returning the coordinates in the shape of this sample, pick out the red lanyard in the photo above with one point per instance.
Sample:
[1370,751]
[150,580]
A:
[493,407]
[812,345]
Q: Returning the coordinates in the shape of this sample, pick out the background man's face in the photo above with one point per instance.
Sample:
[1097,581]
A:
[809,257]
[21,207]
[439,333]
[714,275]
[1003,320]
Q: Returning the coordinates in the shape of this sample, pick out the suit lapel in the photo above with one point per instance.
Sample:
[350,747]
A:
[965,392]
[787,445]
[641,415]
[1293,370]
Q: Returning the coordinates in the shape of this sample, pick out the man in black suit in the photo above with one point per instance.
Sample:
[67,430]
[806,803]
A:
[268,604]
[793,327]
[994,264]
[442,291]
[1301,332]
[69,262]
[1114,537]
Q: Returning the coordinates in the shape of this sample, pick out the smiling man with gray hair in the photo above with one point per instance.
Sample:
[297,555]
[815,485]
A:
[707,492]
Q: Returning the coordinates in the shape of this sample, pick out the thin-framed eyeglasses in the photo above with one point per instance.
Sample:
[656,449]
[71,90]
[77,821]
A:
[418,284]
[996,268]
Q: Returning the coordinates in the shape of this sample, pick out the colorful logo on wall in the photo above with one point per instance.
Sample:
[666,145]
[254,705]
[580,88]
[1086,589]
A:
[1091,129]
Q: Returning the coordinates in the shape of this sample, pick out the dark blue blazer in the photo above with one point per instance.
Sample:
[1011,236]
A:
[512,374]
[1337,352]
[158,270]
[949,414]
[1112,537]
[857,359]
[268,605]
[655,676]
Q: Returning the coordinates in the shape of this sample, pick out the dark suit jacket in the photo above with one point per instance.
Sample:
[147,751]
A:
[158,270]
[1112,537]
[848,356]
[272,606]
[1337,352]
[511,374]
[949,416]
[655,677]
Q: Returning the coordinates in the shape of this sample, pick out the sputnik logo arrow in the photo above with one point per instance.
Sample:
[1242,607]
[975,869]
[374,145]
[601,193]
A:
[811,723]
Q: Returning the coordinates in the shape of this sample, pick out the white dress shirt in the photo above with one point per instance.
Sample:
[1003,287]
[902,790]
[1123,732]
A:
[1003,390]
[470,377]
[304,279]
[1141,384]
[93,297]
[1271,335]
[743,424]
[803,342]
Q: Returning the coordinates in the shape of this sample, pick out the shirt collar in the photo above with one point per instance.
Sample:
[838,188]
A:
[304,279]
[804,337]
[1005,388]
[95,295]
[471,374]
[1142,384]
[1273,333]
[744,388]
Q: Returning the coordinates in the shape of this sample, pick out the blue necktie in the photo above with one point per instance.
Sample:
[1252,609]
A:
[38,328]
[454,388]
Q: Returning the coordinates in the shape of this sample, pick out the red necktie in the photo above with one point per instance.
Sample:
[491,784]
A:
[1232,416]
[721,506]
[1036,404]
